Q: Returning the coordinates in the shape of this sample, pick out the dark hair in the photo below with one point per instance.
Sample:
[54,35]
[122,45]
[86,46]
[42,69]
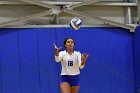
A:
[65,40]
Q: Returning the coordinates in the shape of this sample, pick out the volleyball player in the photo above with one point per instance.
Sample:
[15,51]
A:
[71,61]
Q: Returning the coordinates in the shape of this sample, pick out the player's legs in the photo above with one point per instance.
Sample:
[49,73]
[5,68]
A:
[65,87]
[69,84]
[74,89]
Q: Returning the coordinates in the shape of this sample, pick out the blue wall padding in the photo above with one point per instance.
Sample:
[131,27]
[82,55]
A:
[27,62]
[121,61]
[48,67]
[9,61]
[137,57]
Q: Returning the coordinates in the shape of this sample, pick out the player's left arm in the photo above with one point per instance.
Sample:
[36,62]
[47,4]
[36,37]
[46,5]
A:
[84,58]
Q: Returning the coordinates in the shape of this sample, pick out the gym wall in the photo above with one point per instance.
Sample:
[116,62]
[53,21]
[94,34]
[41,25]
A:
[137,58]
[27,62]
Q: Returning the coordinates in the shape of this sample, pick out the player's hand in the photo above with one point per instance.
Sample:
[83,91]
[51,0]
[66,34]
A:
[56,48]
[85,56]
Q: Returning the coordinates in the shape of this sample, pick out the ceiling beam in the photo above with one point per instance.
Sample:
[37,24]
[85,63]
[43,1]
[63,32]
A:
[40,3]
[55,9]
[56,19]
[105,3]
[25,18]
[109,22]
[138,2]
[89,2]
[11,2]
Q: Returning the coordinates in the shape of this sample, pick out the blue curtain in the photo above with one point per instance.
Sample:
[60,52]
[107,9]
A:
[27,62]
[137,57]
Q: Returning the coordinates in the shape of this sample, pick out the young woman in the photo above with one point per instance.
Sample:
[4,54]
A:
[71,61]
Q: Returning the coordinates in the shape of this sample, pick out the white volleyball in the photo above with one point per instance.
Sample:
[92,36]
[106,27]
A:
[75,23]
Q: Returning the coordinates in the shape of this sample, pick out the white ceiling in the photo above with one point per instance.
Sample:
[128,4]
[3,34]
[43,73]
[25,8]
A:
[16,9]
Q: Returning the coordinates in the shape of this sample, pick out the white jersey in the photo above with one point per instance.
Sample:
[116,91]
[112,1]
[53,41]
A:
[70,63]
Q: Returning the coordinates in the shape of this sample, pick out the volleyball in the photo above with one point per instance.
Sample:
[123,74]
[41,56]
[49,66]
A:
[75,23]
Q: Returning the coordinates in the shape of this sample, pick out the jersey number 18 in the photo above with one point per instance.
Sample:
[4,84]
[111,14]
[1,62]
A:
[70,63]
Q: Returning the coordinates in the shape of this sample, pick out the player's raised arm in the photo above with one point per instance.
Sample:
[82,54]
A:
[56,52]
